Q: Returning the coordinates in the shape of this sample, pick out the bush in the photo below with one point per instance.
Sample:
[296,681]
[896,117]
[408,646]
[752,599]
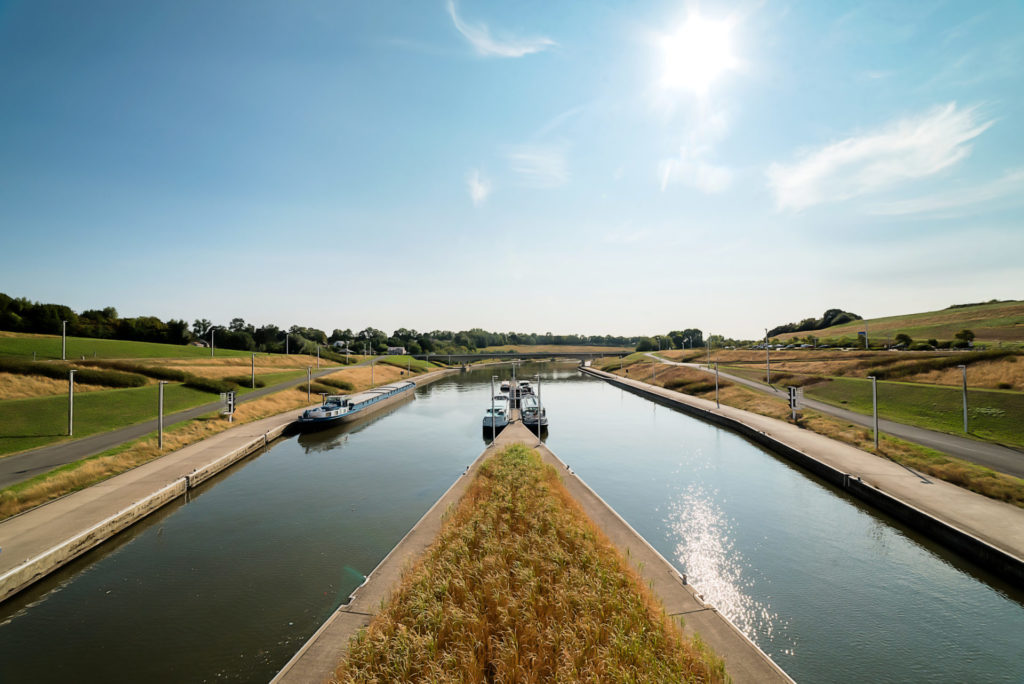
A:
[1005,385]
[245,381]
[155,372]
[211,385]
[921,346]
[317,388]
[337,384]
[86,376]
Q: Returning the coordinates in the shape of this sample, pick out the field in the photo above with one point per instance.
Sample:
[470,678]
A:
[991,323]
[552,348]
[521,587]
[48,347]
[992,414]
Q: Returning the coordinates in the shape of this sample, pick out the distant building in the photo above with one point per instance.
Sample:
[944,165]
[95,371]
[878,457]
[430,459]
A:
[396,350]
[199,343]
[341,347]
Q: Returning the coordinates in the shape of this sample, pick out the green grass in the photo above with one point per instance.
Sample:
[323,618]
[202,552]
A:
[48,347]
[30,423]
[994,415]
[403,362]
[520,587]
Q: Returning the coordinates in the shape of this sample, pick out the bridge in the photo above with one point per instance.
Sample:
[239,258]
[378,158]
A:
[519,356]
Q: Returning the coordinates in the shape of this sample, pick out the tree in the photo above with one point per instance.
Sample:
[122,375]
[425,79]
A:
[201,326]
[236,325]
[645,344]
[904,339]
[965,335]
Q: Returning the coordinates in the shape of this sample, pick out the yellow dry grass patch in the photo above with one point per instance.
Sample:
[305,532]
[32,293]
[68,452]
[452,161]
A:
[14,386]
[987,374]
[359,376]
[22,497]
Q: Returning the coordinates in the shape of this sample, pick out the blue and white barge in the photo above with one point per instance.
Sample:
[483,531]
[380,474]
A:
[338,409]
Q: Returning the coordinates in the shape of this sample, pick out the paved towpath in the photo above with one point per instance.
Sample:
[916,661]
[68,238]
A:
[996,456]
[27,464]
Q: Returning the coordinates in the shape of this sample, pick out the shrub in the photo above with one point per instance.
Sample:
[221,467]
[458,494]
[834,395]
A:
[337,384]
[317,388]
[155,372]
[1005,385]
[209,384]
[245,381]
[59,371]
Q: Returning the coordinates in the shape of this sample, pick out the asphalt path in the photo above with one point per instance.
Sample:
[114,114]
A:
[27,464]
[995,456]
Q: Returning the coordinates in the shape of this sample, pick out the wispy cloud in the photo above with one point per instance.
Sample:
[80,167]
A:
[479,187]
[540,167]
[904,150]
[692,166]
[485,44]
[959,200]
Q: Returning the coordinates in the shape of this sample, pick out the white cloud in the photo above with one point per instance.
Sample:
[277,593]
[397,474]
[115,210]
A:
[691,166]
[904,150]
[479,187]
[955,201]
[485,44]
[540,167]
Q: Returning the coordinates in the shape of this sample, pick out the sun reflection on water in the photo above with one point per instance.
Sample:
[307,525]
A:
[703,539]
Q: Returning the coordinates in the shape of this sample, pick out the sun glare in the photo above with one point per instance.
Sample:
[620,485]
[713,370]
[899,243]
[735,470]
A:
[697,54]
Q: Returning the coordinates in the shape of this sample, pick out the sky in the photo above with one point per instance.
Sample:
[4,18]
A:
[596,168]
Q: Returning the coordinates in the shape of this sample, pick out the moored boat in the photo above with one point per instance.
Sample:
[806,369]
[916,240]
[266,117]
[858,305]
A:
[342,408]
[533,414]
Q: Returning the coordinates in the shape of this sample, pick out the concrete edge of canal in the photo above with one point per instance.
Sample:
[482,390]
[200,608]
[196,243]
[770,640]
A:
[988,554]
[323,651]
[59,531]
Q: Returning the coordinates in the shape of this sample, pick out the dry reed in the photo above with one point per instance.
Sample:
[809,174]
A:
[521,587]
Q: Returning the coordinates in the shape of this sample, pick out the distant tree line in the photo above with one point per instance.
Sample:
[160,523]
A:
[22,315]
[827,320]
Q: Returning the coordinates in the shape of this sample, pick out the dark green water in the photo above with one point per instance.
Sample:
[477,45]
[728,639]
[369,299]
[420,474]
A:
[229,584]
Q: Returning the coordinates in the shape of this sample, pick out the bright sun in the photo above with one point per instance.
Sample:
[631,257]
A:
[697,54]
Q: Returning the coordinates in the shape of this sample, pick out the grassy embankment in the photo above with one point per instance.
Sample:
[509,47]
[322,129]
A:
[89,471]
[991,323]
[963,473]
[520,586]
[48,347]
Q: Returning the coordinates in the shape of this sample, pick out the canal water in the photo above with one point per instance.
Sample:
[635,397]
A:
[227,585]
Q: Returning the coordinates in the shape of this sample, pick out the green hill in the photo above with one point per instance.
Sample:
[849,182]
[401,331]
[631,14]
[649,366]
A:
[991,323]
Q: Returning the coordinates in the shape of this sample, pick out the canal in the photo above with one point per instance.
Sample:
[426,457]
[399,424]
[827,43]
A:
[227,585]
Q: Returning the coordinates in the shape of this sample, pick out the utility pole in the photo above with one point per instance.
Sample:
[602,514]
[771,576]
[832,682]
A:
[963,368]
[71,402]
[874,405]
[160,415]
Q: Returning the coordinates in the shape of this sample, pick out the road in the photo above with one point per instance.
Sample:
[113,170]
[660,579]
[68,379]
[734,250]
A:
[19,467]
[995,456]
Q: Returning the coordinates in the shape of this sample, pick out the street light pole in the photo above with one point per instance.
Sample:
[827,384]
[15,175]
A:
[874,404]
[71,402]
[963,368]
[767,359]
[64,341]
[160,415]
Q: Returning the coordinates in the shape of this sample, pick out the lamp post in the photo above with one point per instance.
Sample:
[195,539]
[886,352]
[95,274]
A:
[767,359]
[160,414]
[64,341]
[963,368]
[717,405]
[874,405]
[493,428]
[371,371]
[71,402]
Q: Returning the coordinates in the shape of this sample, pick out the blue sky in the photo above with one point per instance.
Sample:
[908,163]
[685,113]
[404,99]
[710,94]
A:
[599,167]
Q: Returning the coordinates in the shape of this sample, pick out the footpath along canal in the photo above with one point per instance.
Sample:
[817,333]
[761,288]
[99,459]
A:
[227,585]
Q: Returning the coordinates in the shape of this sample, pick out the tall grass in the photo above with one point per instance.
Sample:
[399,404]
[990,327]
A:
[57,371]
[337,383]
[892,369]
[520,587]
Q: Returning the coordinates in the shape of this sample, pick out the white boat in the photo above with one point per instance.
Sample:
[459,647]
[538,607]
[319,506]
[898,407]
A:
[532,413]
[525,387]
[496,417]
[504,386]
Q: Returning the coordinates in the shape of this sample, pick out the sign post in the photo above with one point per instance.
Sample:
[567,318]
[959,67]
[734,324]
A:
[229,405]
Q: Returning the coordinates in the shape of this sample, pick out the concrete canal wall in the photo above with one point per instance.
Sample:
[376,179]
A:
[42,540]
[320,655]
[989,533]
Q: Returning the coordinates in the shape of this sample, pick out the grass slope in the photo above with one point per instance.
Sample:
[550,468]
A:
[992,414]
[1002,321]
[48,347]
[520,587]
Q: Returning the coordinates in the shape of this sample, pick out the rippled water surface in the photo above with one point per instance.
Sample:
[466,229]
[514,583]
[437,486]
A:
[229,584]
